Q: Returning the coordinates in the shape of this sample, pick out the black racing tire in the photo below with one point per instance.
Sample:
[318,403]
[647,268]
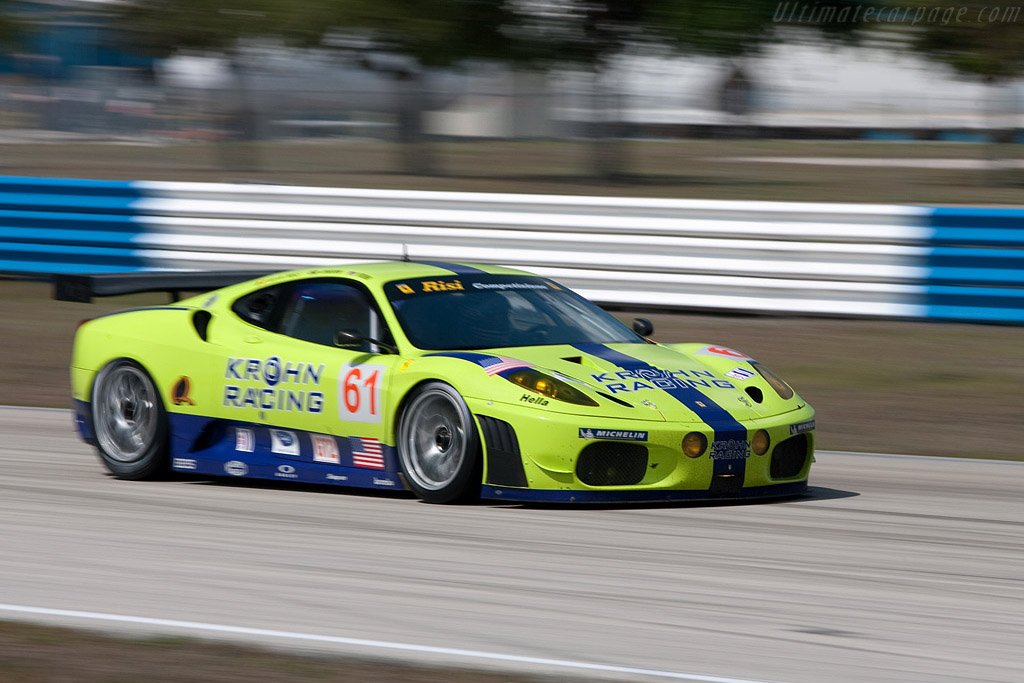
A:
[438,445]
[129,421]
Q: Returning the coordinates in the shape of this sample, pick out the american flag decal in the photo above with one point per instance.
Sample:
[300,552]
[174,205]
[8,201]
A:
[498,364]
[367,452]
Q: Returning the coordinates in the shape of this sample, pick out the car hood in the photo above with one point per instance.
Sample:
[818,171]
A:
[684,382]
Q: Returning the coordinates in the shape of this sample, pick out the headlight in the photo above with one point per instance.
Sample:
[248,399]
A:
[760,443]
[694,444]
[780,387]
[546,385]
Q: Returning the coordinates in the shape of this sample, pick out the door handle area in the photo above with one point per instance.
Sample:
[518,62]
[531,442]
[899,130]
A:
[253,339]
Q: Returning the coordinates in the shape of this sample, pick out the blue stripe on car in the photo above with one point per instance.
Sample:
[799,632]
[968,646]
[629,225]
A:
[456,268]
[725,425]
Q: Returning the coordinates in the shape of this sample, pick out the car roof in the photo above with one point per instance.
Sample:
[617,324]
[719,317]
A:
[385,271]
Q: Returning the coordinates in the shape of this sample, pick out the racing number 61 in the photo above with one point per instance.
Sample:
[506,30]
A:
[359,389]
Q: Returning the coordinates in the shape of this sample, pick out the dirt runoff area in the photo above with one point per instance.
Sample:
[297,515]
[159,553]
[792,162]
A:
[878,386]
[46,654]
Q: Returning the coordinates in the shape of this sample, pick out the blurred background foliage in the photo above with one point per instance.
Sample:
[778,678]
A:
[569,69]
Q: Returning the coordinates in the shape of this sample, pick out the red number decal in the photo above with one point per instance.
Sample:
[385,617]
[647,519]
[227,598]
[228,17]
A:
[352,390]
[370,383]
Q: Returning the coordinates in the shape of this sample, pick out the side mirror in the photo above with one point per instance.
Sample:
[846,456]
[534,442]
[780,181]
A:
[345,338]
[643,327]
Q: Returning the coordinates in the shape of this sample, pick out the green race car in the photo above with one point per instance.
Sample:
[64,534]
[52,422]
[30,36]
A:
[452,381]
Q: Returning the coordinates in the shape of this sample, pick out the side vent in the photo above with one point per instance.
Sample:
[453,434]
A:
[755,393]
[201,321]
[613,399]
[504,462]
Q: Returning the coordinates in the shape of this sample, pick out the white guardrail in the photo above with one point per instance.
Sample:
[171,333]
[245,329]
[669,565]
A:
[831,259]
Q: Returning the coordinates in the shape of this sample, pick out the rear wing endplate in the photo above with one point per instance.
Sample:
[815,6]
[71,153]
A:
[83,287]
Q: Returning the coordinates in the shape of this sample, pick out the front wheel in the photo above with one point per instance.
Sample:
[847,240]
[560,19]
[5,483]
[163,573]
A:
[129,421]
[438,445]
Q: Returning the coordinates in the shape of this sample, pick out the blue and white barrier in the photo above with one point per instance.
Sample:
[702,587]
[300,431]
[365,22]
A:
[796,258]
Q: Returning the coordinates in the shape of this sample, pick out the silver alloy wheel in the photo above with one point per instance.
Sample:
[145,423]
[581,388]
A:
[126,413]
[433,439]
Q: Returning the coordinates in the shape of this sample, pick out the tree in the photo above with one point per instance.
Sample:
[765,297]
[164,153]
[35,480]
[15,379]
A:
[978,40]
[422,34]
[402,38]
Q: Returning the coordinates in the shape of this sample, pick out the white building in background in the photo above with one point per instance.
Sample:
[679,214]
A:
[796,84]
[790,86]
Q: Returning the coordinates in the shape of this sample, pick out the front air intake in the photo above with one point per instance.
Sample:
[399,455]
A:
[789,457]
[612,463]
[504,462]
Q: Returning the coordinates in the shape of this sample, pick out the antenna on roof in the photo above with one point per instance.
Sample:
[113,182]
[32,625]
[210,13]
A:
[405,252]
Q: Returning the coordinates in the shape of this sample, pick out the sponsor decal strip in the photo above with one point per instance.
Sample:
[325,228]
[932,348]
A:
[802,427]
[620,434]
[728,431]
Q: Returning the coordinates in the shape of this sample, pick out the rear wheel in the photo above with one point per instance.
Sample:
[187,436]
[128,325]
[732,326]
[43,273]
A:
[129,421]
[438,445]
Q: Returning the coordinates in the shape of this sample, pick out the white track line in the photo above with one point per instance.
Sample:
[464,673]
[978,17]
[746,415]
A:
[936,458]
[492,656]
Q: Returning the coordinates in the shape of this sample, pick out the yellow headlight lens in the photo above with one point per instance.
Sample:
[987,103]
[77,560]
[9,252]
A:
[761,442]
[694,444]
[781,388]
[545,385]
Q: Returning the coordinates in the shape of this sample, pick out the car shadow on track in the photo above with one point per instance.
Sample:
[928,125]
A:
[205,480]
[813,494]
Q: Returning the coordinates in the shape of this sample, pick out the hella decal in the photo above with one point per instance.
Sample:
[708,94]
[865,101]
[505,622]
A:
[535,400]
[620,434]
[802,427]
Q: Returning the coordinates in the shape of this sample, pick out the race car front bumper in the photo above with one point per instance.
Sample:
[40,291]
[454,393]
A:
[541,455]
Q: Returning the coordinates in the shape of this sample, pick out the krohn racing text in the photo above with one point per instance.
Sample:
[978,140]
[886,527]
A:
[654,378]
[270,373]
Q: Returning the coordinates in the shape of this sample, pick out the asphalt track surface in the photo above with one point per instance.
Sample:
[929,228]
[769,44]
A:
[893,569]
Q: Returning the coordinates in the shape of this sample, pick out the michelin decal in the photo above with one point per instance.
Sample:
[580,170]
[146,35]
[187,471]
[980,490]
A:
[618,434]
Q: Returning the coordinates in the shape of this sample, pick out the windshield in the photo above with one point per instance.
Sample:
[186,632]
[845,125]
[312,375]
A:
[487,311]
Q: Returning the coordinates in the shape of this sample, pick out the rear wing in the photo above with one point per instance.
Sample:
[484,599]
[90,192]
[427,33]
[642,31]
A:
[83,287]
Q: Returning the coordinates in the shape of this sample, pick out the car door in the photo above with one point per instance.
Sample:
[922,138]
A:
[290,376]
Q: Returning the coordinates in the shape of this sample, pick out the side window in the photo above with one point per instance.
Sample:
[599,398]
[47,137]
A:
[316,310]
[258,308]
